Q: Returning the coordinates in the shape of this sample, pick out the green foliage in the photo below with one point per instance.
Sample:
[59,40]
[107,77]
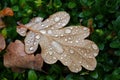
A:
[32,75]
[106,34]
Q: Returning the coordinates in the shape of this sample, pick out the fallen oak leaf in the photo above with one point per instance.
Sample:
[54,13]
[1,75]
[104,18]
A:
[67,45]
[18,60]
[2,43]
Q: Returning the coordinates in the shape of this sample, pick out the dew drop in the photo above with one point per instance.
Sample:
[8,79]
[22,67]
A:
[42,25]
[37,36]
[65,39]
[70,41]
[54,57]
[66,62]
[61,58]
[59,23]
[84,28]
[50,52]
[63,24]
[56,35]
[38,19]
[85,54]
[71,27]
[57,19]
[76,41]
[94,46]
[61,35]
[22,32]
[69,38]
[72,51]
[49,32]
[65,55]
[95,54]
[35,43]
[28,42]
[80,62]
[87,66]
[31,48]
[67,31]
[43,31]
[77,69]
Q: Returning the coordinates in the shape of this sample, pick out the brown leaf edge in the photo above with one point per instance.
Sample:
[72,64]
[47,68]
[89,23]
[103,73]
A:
[18,60]
[5,12]
[2,43]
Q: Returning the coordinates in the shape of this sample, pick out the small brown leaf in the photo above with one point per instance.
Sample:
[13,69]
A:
[2,25]
[2,43]
[17,59]
[6,12]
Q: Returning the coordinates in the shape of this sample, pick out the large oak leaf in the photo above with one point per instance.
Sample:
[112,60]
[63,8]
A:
[67,45]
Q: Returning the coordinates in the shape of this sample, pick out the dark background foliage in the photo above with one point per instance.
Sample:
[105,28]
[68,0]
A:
[105,15]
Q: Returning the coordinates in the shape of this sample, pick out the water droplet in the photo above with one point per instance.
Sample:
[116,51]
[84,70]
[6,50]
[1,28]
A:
[76,41]
[22,32]
[61,58]
[46,26]
[59,23]
[43,31]
[82,51]
[56,35]
[57,19]
[63,24]
[65,55]
[28,42]
[54,57]
[50,52]
[65,39]
[47,20]
[85,34]
[95,54]
[31,48]
[71,27]
[87,66]
[42,25]
[61,35]
[70,41]
[71,51]
[67,31]
[80,62]
[37,36]
[37,19]
[77,69]
[66,62]
[85,28]
[69,38]
[49,32]
[94,46]
[35,43]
